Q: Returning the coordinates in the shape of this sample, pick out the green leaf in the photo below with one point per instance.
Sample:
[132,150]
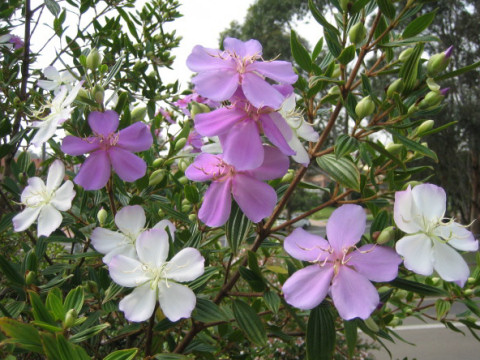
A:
[50,346]
[417,287]
[320,18]
[237,228]
[320,337]
[165,356]
[342,170]
[88,333]
[418,25]
[358,5]
[40,311]
[249,322]
[9,271]
[191,193]
[66,349]
[300,54]
[22,335]
[53,7]
[457,72]
[350,330]
[344,145]
[272,300]
[74,300]
[331,37]
[316,50]
[115,69]
[412,145]
[442,307]
[347,55]
[409,70]
[112,291]
[127,354]
[207,311]
[411,41]
[387,8]
[254,280]
[384,152]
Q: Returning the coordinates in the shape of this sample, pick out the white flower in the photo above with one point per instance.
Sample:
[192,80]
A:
[56,79]
[153,277]
[60,110]
[430,242]
[131,222]
[44,201]
[300,129]
[5,41]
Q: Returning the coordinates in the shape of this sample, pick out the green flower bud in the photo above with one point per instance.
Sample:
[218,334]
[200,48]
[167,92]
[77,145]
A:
[336,71]
[468,292]
[197,108]
[192,217]
[94,59]
[393,148]
[372,325]
[92,286]
[70,318]
[180,144]
[427,125]
[161,213]
[139,113]
[157,162]
[183,180]
[102,216]
[433,98]
[186,208]
[288,177]
[439,62]
[470,280]
[435,280]
[412,109]
[185,202]
[365,107]
[395,87]
[345,4]
[30,277]
[386,235]
[82,93]
[401,294]
[334,90]
[98,94]
[156,177]
[405,54]
[182,165]
[395,321]
[357,33]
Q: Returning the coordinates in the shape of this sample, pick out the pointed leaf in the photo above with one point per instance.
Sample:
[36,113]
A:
[74,300]
[127,354]
[237,228]
[300,54]
[249,322]
[342,170]
[321,335]
[418,25]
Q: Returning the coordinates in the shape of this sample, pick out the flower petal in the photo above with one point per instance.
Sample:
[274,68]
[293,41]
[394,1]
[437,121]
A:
[177,301]
[353,295]
[48,221]
[164,225]
[449,264]
[417,253]
[125,249]
[203,168]
[241,48]
[205,59]
[136,137]
[301,155]
[46,129]
[405,213]
[127,165]
[126,271]
[256,199]
[95,171]
[27,217]
[131,220]
[32,194]
[152,247]
[281,71]
[75,146]
[430,200]
[56,173]
[307,288]
[457,236]
[216,85]
[305,246]
[260,93]
[218,121]
[103,123]
[62,199]
[186,265]
[216,205]
[274,165]
[139,304]
[51,73]
[346,226]
[275,135]
[104,240]
[376,263]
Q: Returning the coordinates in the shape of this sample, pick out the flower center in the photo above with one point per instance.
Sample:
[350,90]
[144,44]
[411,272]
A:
[108,141]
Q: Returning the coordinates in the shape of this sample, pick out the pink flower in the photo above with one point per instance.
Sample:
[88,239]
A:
[220,73]
[338,270]
[255,198]
[109,148]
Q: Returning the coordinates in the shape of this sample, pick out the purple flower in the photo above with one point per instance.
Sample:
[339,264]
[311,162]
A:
[109,148]
[194,142]
[255,198]
[220,73]
[166,115]
[17,42]
[338,270]
[238,127]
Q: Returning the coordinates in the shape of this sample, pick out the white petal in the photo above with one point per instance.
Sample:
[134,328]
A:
[51,73]
[46,130]
[62,199]
[131,220]
[127,250]
[417,253]
[307,132]
[164,224]
[404,212]
[26,218]
[48,85]
[449,264]
[127,271]
[301,155]
[152,247]
[73,94]
[49,220]
[32,194]
[104,240]
[186,265]
[430,200]
[177,301]
[56,173]
[139,304]
[457,236]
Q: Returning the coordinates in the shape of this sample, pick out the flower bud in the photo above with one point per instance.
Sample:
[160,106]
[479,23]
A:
[102,216]
[345,4]
[192,217]
[393,148]
[183,180]
[395,321]
[94,59]
[70,318]
[395,87]
[468,292]
[180,144]
[30,277]
[405,54]
[433,98]
[371,324]
[288,177]
[98,94]
[157,162]
[336,71]
[365,107]
[182,165]
[435,280]
[427,125]
[197,108]
[357,33]
[139,113]
[161,213]
[470,280]
[186,208]
[439,62]
[156,177]
[386,235]
[82,93]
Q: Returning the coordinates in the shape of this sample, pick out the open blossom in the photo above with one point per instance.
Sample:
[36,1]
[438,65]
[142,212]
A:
[60,109]
[55,79]
[238,125]
[109,148]
[256,199]
[45,201]
[220,73]
[155,278]
[338,267]
[431,242]
[11,41]
[130,220]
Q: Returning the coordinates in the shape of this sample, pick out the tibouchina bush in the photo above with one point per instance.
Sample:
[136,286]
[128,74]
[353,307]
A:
[178,239]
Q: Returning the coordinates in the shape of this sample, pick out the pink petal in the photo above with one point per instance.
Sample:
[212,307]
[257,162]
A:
[127,165]
[103,123]
[218,121]
[260,93]
[274,165]
[275,135]
[243,48]
[204,167]
[75,146]
[305,246]
[204,59]
[136,137]
[216,206]
[308,286]
[243,146]
[216,85]
[346,226]
[353,295]
[376,263]
[256,199]
[95,171]
[281,71]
